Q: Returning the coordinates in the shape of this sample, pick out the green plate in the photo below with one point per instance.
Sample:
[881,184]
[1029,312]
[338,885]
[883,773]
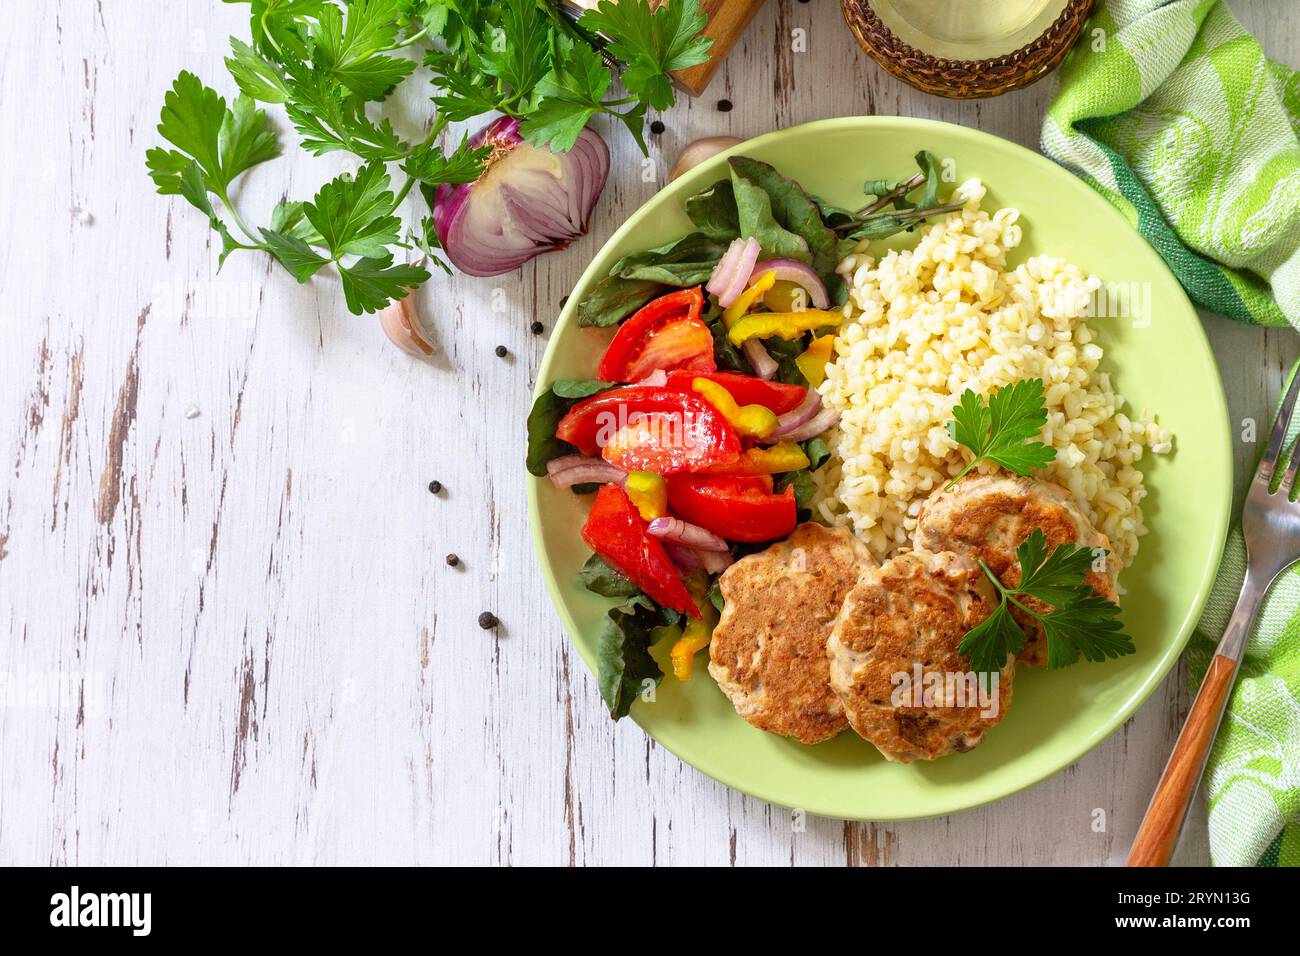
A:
[1163,363]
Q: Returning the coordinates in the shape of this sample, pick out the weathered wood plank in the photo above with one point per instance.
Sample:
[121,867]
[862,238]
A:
[223,595]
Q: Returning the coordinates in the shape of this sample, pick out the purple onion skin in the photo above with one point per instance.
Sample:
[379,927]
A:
[588,161]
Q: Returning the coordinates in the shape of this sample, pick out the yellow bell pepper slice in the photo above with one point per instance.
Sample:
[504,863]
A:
[787,325]
[778,458]
[649,492]
[749,421]
[814,359]
[745,301]
[786,296]
[698,631]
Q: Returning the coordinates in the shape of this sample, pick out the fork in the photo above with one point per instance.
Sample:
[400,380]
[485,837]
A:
[1270,523]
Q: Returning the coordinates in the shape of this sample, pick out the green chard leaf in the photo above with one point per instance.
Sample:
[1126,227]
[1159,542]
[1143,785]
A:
[686,262]
[713,211]
[794,210]
[624,667]
[613,299]
[598,577]
[549,407]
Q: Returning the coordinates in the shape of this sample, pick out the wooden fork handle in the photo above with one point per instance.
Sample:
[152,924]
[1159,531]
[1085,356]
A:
[1158,834]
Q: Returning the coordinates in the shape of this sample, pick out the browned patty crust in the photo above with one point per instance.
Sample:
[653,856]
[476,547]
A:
[910,613]
[768,652]
[988,517]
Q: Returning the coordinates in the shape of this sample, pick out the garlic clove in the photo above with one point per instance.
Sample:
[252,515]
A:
[700,150]
[400,321]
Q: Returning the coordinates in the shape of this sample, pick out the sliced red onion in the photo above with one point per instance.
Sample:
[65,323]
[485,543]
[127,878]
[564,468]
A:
[684,533]
[570,470]
[715,561]
[688,559]
[797,415]
[755,353]
[826,418]
[655,379]
[529,200]
[791,270]
[733,270]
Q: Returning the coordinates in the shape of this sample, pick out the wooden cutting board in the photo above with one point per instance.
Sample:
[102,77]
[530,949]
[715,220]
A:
[727,21]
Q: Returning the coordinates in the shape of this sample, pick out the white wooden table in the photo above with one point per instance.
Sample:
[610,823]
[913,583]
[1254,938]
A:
[227,631]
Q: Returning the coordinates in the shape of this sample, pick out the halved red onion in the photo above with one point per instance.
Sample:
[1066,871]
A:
[755,353]
[791,270]
[826,418]
[569,470]
[797,415]
[528,200]
[733,270]
[684,533]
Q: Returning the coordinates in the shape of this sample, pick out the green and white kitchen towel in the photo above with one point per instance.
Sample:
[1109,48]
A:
[1171,111]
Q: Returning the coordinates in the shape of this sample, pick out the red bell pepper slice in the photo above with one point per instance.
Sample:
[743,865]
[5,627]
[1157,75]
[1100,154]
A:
[666,333]
[740,508]
[746,389]
[617,532]
[650,428]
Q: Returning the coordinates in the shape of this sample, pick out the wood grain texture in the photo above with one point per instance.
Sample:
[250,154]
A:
[1158,833]
[229,634]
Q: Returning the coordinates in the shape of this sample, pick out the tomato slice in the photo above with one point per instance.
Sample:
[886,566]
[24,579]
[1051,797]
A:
[737,508]
[617,532]
[666,333]
[650,428]
[746,389]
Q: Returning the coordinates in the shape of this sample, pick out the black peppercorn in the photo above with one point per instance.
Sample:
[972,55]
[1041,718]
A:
[536,328]
[453,560]
[487,620]
[501,351]
[724,106]
[657,127]
[435,487]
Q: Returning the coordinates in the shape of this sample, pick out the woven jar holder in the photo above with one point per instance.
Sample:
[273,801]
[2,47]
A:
[965,79]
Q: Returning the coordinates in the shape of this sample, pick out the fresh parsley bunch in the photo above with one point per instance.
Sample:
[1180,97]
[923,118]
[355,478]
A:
[327,62]
[1079,621]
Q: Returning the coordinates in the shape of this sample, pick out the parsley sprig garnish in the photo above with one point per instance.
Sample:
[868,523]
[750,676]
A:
[1080,621]
[328,62]
[1000,431]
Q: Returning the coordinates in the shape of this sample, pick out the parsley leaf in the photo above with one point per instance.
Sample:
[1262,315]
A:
[571,94]
[1079,620]
[651,42]
[354,215]
[351,48]
[371,283]
[429,164]
[222,142]
[1000,431]
[992,641]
